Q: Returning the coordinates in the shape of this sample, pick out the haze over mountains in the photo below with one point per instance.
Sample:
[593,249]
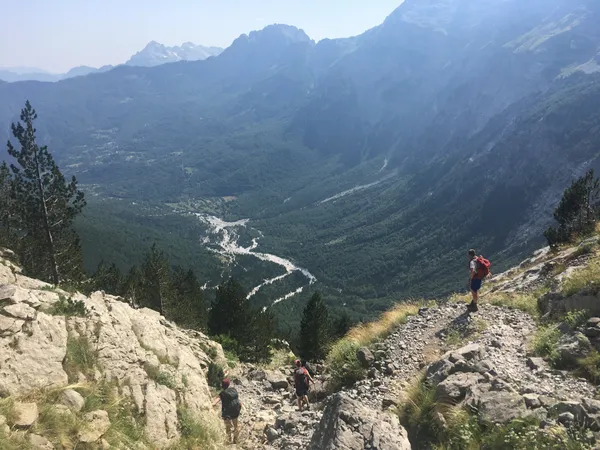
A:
[153,54]
[373,162]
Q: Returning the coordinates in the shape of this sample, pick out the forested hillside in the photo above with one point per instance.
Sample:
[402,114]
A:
[373,162]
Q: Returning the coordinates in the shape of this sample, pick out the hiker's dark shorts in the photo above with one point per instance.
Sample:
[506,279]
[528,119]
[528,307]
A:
[475,284]
[301,392]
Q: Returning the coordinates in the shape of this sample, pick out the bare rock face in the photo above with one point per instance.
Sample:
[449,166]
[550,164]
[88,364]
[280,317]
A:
[348,425]
[126,344]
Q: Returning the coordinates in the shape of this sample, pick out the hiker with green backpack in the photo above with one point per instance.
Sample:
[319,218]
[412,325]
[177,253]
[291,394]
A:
[230,410]
[479,268]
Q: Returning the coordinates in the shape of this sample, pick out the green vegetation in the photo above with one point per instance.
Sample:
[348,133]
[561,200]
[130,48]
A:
[589,276]
[163,377]
[545,342]
[195,433]
[80,358]
[576,213]
[68,307]
[239,327]
[459,334]
[214,375]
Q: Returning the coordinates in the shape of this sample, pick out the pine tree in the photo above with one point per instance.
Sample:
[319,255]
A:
[229,312]
[133,286]
[107,278]
[45,207]
[258,332]
[157,288]
[189,308]
[314,329]
[7,237]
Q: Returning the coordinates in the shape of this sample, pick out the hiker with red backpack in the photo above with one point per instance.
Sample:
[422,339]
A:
[230,410]
[302,380]
[479,268]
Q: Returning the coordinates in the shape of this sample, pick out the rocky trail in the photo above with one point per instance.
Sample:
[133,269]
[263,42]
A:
[499,336]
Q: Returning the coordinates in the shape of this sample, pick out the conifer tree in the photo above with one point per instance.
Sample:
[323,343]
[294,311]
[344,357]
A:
[189,309]
[107,278]
[133,286]
[7,237]
[229,312]
[157,288]
[314,329]
[45,207]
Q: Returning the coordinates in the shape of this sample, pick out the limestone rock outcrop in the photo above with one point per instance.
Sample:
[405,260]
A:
[147,360]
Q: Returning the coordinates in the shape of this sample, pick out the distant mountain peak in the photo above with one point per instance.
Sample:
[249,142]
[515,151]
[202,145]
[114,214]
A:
[155,53]
[289,32]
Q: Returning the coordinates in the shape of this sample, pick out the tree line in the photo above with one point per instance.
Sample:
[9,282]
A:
[38,206]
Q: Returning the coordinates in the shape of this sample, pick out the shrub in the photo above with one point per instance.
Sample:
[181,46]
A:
[576,319]
[160,376]
[68,307]
[79,358]
[545,343]
[195,433]
[343,363]
[589,367]
[215,375]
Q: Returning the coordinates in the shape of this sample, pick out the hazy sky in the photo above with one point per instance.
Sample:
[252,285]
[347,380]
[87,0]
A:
[56,35]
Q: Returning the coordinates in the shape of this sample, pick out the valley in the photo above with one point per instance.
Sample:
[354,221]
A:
[371,162]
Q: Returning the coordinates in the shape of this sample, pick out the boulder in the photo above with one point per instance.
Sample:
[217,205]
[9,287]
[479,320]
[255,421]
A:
[471,351]
[532,401]
[455,387]
[96,424]
[572,348]
[277,380]
[500,407]
[25,414]
[536,363]
[439,371]
[572,407]
[72,399]
[365,357]
[347,424]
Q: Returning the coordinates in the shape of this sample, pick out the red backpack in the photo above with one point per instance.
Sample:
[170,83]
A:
[483,267]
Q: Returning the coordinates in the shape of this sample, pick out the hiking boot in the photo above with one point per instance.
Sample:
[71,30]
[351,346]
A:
[472,307]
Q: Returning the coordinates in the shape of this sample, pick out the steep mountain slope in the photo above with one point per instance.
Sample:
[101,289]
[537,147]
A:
[454,124]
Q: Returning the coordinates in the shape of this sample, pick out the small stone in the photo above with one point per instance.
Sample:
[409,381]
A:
[497,344]
[594,322]
[26,414]
[72,399]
